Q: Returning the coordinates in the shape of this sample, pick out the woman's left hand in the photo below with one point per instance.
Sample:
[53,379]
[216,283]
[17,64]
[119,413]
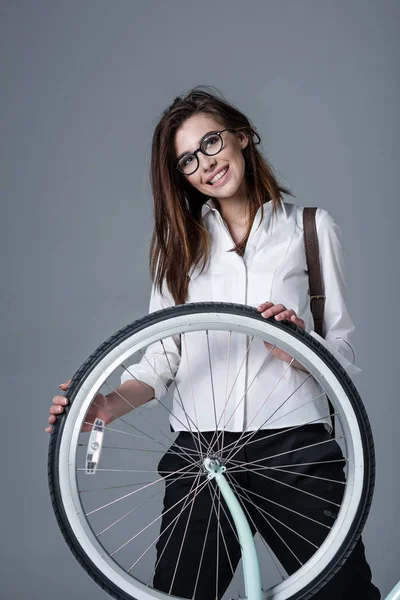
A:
[280,312]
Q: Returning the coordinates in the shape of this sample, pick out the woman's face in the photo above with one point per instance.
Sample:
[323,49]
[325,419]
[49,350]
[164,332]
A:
[187,139]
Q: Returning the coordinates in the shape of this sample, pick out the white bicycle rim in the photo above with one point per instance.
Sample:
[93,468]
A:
[349,514]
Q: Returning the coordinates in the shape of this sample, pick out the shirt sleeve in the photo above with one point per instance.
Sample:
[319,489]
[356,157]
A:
[338,327]
[156,364]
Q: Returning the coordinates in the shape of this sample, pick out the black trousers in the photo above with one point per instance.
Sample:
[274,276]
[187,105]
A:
[271,498]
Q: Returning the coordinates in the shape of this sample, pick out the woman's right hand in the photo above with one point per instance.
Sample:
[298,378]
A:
[57,408]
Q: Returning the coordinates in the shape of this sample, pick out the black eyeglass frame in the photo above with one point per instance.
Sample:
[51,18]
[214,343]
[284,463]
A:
[212,154]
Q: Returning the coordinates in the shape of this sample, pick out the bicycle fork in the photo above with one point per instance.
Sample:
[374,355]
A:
[251,568]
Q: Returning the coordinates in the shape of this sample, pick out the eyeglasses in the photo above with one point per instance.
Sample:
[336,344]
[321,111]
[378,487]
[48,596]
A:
[211,144]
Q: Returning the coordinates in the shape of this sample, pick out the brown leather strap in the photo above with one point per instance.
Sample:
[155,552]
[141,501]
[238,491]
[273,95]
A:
[317,298]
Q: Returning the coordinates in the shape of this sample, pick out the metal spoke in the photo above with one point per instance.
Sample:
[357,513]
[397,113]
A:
[243,504]
[203,548]
[286,508]
[280,432]
[189,459]
[138,410]
[292,487]
[166,543]
[158,400]
[136,491]
[115,487]
[213,392]
[174,520]
[127,422]
[317,462]
[246,431]
[134,509]
[169,391]
[197,491]
[218,531]
[273,389]
[141,437]
[194,401]
[169,448]
[99,470]
[250,434]
[232,388]
[266,399]
[244,468]
[296,449]
[183,541]
[143,450]
[182,405]
[248,387]
[287,399]
[226,390]
[246,497]
[172,531]
[275,518]
[154,521]
[222,534]
[124,448]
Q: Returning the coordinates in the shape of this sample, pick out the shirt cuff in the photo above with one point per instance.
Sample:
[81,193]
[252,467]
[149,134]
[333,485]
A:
[348,366]
[142,374]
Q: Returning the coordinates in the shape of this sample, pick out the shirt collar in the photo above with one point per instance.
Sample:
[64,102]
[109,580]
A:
[210,205]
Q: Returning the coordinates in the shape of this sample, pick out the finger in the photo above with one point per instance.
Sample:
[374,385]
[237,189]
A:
[286,314]
[292,317]
[60,400]
[299,322]
[66,384]
[48,429]
[273,310]
[52,419]
[56,410]
[264,305]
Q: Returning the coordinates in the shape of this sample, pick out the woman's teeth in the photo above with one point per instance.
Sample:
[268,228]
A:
[218,176]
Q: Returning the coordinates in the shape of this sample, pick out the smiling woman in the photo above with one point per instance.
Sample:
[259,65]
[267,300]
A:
[221,182]
[184,160]
[223,233]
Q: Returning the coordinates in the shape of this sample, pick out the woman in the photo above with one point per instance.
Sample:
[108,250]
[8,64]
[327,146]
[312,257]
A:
[223,233]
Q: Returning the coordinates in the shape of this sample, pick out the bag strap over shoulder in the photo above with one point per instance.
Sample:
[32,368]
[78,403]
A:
[317,298]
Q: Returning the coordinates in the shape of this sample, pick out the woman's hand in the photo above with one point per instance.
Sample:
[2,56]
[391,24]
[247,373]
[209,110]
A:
[280,312]
[95,410]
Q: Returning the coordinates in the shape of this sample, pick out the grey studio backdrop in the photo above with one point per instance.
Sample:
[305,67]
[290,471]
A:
[83,85]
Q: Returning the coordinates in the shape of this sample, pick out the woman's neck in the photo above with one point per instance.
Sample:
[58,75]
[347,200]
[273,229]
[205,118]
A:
[235,213]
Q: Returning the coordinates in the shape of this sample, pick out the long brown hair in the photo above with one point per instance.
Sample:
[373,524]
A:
[180,238]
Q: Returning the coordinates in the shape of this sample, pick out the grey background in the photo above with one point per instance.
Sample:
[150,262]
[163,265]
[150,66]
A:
[83,85]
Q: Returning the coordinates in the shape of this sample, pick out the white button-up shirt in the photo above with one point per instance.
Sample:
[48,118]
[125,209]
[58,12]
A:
[272,269]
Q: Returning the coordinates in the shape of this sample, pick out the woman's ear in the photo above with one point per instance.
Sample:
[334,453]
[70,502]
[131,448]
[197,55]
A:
[244,139]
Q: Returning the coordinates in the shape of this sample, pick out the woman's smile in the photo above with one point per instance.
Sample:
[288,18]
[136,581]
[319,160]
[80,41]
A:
[219,179]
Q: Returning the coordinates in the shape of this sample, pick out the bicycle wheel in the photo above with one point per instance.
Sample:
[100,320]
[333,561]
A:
[111,521]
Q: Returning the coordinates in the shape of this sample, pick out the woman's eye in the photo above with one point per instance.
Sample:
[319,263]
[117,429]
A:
[211,141]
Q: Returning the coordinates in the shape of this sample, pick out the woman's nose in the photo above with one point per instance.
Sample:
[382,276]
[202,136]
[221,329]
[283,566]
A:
[207,163]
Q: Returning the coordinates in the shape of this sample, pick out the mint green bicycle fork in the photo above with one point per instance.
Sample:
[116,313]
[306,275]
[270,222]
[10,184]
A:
[251,568]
